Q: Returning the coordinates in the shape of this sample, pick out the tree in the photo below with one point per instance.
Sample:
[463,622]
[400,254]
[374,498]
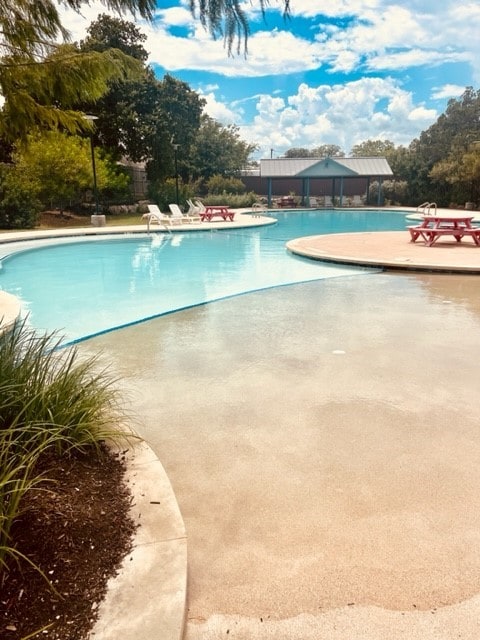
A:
[226,18]
[372,149]
[447,140]
[218,150]
[19,202]
[61,165]
[322,151]
[125,112]
[45,95]
[462,171]
[327,151]
[298,152]
[107,32]
[175,121]
[41,80]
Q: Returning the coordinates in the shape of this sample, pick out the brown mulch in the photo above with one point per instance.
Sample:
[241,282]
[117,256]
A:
[77,529]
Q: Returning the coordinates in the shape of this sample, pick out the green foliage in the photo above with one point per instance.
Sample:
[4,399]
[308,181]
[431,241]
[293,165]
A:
[176,121]
[45,94]
[372,149]
[322,151]
[40,79]
[108,32]
[163,192]
[49,398]
[227,19]
[393,192]
[30,27]
[19,201]
[218,150]
[232,200]
[298,152]
[220,184]
[447,144]
[462,171]
[61,164]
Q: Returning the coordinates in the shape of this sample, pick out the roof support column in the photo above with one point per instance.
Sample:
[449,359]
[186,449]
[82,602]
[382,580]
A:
[306,192]
[380,190]
[341,191]
[269,192]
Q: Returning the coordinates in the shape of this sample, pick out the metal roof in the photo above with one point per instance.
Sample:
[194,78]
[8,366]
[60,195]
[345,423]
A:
[324,167]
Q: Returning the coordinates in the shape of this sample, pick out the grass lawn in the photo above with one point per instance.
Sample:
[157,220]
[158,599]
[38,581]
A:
[55,220]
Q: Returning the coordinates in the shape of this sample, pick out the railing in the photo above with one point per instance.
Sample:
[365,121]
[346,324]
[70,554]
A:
[426,207]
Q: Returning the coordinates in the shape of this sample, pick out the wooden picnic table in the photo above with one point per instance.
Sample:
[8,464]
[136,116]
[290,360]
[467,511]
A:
[218,210]
[437,226]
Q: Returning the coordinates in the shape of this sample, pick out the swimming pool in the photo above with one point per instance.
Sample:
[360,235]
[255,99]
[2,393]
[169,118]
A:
[84,287]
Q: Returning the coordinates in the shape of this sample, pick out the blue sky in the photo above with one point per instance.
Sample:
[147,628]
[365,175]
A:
[338,72]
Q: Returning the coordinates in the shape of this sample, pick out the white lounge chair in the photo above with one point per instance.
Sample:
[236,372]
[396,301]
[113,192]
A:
[313,202]
[328,201]
[357,201]
[177,214]
[155,215]
[193,210]
[200,205]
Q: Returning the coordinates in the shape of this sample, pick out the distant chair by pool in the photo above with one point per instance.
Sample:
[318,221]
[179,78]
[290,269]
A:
[155,215]
[357,201]
[178,215]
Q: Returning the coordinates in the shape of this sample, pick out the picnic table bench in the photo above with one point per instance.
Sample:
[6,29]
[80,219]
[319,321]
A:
[220,211]
[436,226]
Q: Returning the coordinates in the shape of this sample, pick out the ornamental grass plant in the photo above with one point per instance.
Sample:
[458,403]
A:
[50,399]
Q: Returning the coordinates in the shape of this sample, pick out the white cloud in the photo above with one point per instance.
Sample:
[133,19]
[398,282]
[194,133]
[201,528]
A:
[341,114]
[220,111]
[447,91]
[374,36]
[380,36]
[414,58]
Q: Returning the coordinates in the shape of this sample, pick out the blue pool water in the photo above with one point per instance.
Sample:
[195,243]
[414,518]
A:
[85,287]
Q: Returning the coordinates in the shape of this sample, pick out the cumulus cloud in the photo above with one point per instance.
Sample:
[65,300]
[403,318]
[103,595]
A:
[346,38]
[219,110]
[344,115]
[378,36]
[447,91]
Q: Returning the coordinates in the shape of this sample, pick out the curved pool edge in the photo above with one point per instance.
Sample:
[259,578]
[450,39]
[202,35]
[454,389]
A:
[10,310]
[147,598]
[391,250]
[241,220]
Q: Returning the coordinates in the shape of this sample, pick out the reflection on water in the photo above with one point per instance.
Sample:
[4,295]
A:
[83,288]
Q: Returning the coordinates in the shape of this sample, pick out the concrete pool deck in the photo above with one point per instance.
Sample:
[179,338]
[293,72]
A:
[389,250]
[149,597]
[327,476]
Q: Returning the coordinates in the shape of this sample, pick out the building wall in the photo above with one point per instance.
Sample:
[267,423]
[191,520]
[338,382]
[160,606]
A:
[318,186]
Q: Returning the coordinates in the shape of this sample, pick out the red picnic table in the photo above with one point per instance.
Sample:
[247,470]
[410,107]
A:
[216,211]
[436,226]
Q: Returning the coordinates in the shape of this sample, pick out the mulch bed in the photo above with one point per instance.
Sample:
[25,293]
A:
[77,529]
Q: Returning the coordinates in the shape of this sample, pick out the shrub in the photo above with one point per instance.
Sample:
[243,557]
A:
[164,192]
[49,398]
[220,184]
[19,203]
[242,201]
